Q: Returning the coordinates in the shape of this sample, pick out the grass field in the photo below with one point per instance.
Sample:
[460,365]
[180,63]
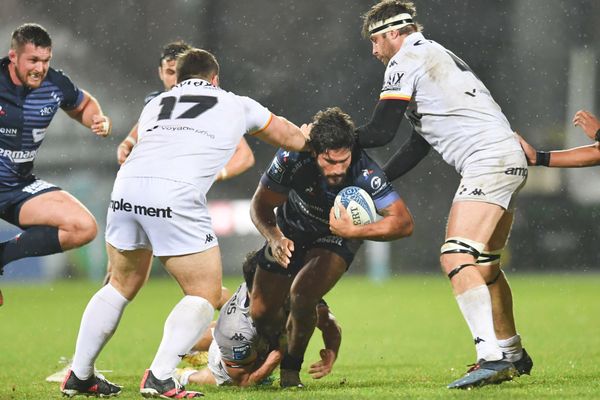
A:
[401,339]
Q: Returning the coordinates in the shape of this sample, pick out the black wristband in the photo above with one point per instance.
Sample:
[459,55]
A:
[542,158]
[597,137]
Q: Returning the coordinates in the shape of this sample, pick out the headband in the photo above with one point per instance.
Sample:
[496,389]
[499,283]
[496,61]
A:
[395,22]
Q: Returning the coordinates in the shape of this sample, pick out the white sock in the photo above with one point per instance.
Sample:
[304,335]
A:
[185,324]
[512,348]
[476,307]
[98,323]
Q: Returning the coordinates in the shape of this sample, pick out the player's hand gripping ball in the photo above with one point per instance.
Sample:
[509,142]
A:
[358,205]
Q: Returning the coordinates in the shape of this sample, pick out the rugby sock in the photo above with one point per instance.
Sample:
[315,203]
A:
[512,348]
[476,307]
[291,362]
[99,322]
[32,242]
[184,326]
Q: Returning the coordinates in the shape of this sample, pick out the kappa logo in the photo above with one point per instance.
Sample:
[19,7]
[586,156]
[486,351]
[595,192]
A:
[238,336]
[209,238]
[477,192]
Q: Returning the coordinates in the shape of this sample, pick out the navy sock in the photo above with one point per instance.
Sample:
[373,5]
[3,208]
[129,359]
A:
[32,242]
[291,362]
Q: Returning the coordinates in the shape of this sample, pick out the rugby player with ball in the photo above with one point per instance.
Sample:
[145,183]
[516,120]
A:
[307,249]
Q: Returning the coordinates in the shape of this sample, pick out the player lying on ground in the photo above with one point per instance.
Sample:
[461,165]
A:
[238,355]
[307,249]
[158,208]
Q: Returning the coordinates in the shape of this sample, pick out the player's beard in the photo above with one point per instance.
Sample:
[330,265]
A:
[34,84]
[335,180]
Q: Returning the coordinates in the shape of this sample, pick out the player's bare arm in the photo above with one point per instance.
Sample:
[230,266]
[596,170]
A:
[577,157]
[125,147]
[588,122]
[397,222]
[280,132]
[256,372]
[262,213]
[241,161]
[332,339]
[90,115]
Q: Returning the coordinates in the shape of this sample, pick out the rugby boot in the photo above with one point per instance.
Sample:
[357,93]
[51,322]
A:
[486,373]
[164,389]
[524,364]
[290,378]
[96,385]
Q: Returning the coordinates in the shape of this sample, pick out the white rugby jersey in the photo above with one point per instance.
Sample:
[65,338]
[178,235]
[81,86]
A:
[188,133]
[449,106]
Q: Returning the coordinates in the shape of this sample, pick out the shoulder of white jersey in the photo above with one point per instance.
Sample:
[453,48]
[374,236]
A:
[406,66]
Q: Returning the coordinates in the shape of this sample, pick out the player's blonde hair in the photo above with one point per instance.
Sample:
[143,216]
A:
[386,9]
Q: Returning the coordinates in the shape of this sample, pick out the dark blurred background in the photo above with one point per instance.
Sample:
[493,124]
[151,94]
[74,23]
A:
[539,58]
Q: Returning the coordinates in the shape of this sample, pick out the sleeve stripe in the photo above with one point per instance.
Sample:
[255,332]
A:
[393,96]
[264,127]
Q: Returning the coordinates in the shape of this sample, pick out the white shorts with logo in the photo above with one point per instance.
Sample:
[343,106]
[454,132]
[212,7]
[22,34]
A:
[494,180]
[168,217]
[215,365]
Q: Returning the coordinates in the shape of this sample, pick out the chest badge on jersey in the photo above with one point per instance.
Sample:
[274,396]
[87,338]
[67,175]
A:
[376,182]
[48,110]
[241,352]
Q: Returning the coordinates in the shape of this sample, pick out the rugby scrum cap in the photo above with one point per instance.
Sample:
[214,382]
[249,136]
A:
[386,25]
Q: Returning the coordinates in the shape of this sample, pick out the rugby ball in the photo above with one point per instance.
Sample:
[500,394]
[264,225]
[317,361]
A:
[358,205]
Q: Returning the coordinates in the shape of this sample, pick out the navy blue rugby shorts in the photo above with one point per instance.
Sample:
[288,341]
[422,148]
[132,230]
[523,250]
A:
[303,243]
[12,199]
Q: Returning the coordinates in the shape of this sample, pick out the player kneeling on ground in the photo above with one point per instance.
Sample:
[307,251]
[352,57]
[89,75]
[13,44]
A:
[307,249]
[238,355]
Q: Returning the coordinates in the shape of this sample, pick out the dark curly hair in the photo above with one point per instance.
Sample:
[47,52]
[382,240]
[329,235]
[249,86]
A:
[249,268]
[332,129]
[172,50]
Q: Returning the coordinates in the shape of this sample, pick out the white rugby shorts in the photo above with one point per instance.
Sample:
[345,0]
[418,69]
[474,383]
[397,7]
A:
[215,365]
[168,217]
[494,180]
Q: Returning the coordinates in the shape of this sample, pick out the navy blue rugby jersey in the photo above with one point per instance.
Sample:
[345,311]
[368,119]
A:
[310,198]
[24,117]
[152,95]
